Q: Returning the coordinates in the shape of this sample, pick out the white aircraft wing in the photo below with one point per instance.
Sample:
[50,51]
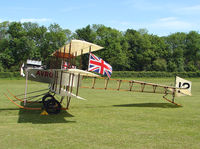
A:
[82,72]
[76,48]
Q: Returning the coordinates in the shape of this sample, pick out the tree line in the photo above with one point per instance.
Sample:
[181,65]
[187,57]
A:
[130,50]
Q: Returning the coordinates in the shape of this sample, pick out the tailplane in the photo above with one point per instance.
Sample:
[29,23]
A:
[184,87]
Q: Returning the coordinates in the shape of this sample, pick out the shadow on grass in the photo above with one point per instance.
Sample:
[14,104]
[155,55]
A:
[35,117]
[150,105]
[6,109]
[27,116]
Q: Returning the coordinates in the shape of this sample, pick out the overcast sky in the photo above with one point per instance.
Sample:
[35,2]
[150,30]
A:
[159,17]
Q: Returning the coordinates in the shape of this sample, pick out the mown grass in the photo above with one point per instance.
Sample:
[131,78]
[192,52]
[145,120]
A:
[107,120]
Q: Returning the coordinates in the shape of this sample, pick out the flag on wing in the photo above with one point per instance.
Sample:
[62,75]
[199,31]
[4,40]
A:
[98,65]
[64,66]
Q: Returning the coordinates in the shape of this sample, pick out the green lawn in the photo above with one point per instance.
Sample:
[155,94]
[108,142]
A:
[107,120]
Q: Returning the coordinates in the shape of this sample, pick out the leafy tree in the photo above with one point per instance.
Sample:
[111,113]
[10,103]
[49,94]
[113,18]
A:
[3,30]
[86,34]
[176,45]
[192,52]
[160,65]
[16,30]
[139,50]
[129,50]
[114,52]
[29,41]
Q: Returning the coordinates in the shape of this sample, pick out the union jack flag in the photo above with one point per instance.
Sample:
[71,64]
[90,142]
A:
[98,65]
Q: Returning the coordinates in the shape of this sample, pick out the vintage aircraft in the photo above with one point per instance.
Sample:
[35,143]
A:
[64,78]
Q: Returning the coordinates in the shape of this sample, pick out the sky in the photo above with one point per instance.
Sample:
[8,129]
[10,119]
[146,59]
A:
[159,17]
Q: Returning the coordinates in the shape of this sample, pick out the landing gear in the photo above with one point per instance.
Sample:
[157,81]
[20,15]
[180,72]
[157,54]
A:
[51,105]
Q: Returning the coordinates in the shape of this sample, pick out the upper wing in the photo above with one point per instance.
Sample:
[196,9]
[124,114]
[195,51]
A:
[76,48]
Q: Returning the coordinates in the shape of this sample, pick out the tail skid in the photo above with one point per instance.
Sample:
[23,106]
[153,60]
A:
[171,101]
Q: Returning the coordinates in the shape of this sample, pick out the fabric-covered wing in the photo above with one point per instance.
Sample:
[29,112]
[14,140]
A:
[76,48]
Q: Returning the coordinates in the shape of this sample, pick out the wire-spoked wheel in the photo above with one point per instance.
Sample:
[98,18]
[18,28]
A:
[51,105]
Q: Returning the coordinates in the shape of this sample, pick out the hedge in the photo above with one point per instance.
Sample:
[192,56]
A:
[157,74]
[125,74]
[10,75]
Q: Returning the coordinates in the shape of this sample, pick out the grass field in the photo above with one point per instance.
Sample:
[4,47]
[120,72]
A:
[107,120]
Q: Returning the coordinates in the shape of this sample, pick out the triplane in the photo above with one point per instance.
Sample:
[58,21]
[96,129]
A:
[65,79]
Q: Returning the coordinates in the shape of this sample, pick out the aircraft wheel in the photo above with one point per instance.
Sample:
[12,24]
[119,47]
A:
[51,105]
[46,98]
